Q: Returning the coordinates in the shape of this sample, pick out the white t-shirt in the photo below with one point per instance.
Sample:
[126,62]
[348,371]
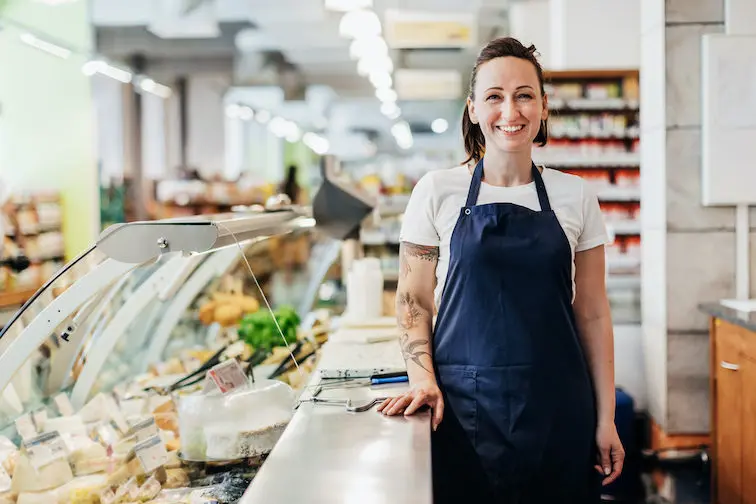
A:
[434,205]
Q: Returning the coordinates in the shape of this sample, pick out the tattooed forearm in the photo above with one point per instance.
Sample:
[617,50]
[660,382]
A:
[409,313]
[423,252]
[411,352]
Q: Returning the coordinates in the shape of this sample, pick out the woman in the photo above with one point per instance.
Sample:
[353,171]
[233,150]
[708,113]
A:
[520,366]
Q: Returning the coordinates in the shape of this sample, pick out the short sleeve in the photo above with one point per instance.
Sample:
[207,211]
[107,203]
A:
[593,232]
[418,221]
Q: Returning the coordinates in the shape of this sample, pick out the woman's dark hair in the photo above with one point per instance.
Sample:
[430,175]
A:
[475,143]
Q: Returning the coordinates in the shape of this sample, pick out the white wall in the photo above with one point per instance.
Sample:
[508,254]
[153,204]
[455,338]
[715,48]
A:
[206,123]
[587,34]
[530,22]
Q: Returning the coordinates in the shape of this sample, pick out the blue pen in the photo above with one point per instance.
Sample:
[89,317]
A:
[393,379]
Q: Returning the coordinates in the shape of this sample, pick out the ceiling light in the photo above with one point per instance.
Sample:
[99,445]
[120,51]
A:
[150,86]
[347,5]
[440,125]
[233,110]
[368,47]
[98,66]
[370,64]
[293,134]
[316,142]
[43,45]
[390,110]
[381,79]
[246,114]
[263,116]
[359,24]
[279,126]
[386,95]
[402,134]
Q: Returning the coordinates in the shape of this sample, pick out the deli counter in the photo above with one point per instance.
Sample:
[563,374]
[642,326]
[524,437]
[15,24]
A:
[179,361]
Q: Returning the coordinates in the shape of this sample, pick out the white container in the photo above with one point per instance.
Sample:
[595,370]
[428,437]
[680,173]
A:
[365,289]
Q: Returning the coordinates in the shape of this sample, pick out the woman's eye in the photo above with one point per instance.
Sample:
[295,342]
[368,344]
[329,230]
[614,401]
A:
[492,97]
[524,97]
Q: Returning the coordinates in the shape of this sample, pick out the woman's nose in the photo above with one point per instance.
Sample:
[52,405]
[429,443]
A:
[509,109]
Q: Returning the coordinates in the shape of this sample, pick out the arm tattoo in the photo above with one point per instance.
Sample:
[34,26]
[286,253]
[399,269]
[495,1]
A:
[412,250]
[409,313]
[411,352]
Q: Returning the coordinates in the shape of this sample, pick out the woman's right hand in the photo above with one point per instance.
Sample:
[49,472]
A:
[424,393]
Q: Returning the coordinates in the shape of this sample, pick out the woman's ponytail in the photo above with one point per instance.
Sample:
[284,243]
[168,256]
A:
[475,143]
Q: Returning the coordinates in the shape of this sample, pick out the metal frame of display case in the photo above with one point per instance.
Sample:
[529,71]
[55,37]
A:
[180,243]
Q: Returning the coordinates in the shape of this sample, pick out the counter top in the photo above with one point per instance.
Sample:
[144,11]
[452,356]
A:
[329,455]
[743,319]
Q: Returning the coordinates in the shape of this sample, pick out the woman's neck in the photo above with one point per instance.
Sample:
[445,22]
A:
[507,169]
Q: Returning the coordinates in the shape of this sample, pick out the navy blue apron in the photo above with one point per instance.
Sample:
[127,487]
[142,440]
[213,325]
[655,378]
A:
[520,418]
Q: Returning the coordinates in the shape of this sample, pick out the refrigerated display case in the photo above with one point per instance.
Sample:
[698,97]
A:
[100,348]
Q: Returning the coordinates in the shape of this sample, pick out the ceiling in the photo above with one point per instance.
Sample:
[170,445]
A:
[299,39]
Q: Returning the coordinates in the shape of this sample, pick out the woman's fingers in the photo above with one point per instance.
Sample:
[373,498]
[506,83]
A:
[420,399]
[399,406]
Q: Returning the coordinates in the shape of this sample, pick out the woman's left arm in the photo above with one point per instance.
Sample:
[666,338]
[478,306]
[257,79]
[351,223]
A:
[594,321]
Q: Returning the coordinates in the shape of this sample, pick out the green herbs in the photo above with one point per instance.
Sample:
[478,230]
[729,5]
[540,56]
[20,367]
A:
[259,329]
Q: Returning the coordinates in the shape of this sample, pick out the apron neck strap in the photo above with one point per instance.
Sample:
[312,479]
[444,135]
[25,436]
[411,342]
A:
[472,193]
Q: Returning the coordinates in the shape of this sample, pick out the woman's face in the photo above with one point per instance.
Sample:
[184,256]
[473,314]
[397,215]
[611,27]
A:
[508,104]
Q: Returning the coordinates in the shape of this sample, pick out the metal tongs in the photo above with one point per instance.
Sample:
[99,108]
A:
[347,403]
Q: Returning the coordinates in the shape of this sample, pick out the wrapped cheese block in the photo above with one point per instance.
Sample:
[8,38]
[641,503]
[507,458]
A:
[37,497]
[243,423]
[27,478]
[73,425]
[83,490]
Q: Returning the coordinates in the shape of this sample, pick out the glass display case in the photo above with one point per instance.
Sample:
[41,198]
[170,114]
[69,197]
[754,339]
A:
[129,303]
[152,304]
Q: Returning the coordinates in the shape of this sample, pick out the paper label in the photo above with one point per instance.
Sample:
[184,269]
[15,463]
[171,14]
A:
[40,417]
[145,430]
[151,453]
[25,427]
[64,405]
[44,449]
[228,376]
[115,414]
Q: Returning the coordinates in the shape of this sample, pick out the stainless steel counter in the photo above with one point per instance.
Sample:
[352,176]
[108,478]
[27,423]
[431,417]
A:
[328,455]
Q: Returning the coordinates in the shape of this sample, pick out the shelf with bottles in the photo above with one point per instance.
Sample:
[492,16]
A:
[32,228]
[594,119]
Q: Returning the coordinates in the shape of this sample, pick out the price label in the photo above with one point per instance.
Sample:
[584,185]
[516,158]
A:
[25,427]
[115,414]
[151,453]
[40,417]
[144,430]
[45,448]
[228,376]
[64,404]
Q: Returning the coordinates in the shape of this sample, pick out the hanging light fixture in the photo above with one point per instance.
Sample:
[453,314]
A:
[347,5]
[360,23]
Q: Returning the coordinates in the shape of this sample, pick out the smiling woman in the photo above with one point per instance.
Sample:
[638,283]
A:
[518,368]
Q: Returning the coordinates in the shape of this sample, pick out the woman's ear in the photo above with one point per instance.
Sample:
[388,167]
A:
[545,112]
[471,111]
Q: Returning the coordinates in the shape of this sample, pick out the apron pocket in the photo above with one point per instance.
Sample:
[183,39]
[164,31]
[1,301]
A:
[505,434]
[457,383]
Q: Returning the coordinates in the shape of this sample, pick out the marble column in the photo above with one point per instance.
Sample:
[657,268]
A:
[688,249]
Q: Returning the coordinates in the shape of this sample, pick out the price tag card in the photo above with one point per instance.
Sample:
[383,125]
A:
[45,448]
[40,417]
[25,427]
[151,453]
[144,430]
[115,414]
[64,404]
[228,376]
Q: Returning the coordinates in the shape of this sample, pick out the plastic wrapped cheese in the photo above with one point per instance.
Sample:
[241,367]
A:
[37,497]
[83,490]
[244,423]
[73,425]
[28,479]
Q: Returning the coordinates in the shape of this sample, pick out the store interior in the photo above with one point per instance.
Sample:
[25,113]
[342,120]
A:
[147,248]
